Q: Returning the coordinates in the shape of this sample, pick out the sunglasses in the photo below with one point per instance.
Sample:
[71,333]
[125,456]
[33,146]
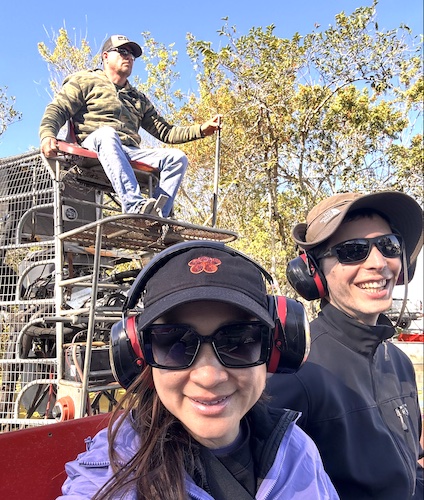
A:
[175,347]
[123,52]
[358,249]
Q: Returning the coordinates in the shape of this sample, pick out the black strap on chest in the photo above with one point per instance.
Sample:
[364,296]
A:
[221,482]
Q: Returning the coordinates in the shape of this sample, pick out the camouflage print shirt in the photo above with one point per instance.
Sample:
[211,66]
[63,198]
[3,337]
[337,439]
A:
[93,101]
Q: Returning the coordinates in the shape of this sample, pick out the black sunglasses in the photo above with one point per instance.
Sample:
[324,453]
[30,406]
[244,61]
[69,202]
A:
[123,52]
[358,249]
[175,347]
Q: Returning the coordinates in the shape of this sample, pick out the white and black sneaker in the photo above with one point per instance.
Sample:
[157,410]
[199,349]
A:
[148,207]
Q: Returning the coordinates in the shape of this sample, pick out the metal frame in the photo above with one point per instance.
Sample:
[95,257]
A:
[61,235]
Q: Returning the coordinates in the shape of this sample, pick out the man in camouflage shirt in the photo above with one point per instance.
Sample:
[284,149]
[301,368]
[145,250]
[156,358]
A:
[107,113]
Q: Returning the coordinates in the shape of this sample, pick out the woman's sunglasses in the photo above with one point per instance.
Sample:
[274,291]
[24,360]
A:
[175,347]
[358,249]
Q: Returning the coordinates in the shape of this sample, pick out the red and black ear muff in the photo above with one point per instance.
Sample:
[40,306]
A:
[290,343]
[291,338]
[306,278]
[126,356]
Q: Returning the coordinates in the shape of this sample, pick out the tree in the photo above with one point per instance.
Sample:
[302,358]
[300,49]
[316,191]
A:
[8,113]
[333,110]
[330,111]
[66,57]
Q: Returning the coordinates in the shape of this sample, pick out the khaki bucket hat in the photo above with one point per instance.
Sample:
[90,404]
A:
[403,212]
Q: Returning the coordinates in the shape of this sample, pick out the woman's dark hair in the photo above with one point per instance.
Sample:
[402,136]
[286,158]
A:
[166,453]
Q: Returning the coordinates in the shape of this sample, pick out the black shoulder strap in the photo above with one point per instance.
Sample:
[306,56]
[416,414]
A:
[221,482]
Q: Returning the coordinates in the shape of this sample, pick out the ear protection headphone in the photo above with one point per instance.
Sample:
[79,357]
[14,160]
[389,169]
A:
[290,338]
[305,276]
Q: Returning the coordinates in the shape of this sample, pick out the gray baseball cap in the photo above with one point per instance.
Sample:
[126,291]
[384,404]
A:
[116,41]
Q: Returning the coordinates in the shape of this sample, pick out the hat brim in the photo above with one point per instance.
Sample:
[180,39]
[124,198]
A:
[209,293]
[135,48]
[403,212]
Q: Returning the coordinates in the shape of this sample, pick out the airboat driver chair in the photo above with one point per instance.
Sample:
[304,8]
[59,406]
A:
[79,193]
[88,169]
[128,234]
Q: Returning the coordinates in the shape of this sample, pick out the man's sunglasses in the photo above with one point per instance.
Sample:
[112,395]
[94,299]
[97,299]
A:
[175,347]
[123,52]
[358,249]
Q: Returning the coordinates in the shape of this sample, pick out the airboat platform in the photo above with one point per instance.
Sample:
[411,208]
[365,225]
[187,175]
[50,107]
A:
[68,257]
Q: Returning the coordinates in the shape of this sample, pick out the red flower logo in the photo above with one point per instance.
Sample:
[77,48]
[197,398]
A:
[207,264]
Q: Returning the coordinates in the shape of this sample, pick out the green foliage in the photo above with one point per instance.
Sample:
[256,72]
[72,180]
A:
[66,57]
[161,76]
[319,114]
[8,113]
[333,110]
[409,162]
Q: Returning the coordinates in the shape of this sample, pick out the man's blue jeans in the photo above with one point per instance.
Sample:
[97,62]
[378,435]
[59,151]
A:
[114,157]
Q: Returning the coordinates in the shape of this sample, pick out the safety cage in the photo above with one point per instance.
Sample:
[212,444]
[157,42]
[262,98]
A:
[68,256]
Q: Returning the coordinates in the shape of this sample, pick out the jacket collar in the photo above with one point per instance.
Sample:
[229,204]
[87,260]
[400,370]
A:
[268,426]
[361,338]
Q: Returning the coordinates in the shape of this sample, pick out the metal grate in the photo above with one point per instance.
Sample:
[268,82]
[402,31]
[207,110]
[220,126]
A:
[63,243]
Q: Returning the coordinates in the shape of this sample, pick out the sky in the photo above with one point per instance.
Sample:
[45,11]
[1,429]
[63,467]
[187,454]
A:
[25,23]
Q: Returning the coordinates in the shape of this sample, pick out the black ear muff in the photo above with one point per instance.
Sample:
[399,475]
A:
[291,340]
[306,278]
[126,356]
[291,334]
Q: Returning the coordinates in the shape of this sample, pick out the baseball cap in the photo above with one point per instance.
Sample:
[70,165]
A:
[116,41]
[403,212]
[206,274]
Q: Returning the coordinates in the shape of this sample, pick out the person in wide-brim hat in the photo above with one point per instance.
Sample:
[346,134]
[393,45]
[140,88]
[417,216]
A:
[403,212]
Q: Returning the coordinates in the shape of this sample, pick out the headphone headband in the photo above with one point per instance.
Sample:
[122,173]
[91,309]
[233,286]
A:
[161,258]
[289,339]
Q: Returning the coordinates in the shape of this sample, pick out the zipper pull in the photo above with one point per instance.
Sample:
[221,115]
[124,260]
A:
[386,352]
[400,412]
[88,441]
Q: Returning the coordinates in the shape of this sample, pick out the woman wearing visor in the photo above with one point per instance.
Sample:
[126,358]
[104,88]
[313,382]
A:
[357,390]
[194,362]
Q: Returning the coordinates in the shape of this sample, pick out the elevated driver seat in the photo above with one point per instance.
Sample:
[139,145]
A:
[88,168]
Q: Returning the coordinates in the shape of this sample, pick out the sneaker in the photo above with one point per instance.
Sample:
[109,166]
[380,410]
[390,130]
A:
[147,207]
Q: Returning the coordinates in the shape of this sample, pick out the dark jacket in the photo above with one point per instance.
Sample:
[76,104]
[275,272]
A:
[359,403]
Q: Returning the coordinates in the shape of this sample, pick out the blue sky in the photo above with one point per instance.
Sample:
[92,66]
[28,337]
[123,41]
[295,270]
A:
[24,23]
